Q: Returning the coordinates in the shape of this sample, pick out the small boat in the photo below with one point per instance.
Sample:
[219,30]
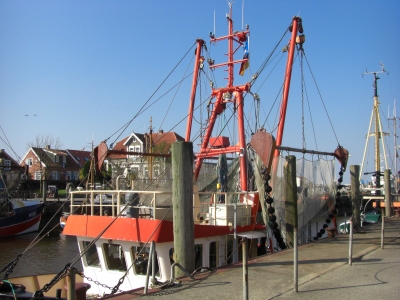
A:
[19,217]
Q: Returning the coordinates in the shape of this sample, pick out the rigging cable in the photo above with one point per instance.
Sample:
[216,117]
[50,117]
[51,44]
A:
[322,100]
[123,128]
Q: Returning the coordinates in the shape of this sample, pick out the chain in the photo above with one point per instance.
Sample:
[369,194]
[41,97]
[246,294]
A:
[268,200]
[332,214]
[10,267]
[63,273]
[97,282]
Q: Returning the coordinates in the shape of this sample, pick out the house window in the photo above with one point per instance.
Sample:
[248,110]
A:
[57,159]
[64,159]
[137,148]
[55,175]
[131,148]
[29,161]
[85,158]
[77,158]
[68,175]
[75,175]
[38,175]
[7,164]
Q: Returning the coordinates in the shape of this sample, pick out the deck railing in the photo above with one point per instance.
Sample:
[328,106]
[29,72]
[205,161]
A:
[214,208]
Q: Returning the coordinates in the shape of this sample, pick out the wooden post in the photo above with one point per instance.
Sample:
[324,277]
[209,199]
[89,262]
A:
[355,193]
[290,192]
[351,242]
[44,191]
[182,204]
[388,194]
[71,294]
[291,212]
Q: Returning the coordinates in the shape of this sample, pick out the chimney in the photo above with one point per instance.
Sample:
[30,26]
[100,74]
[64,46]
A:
[48,147]
[160,131]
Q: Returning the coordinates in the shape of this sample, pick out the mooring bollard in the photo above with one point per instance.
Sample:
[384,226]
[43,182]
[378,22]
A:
[351,242]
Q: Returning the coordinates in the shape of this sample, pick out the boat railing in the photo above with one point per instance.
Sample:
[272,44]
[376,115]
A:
[214,208]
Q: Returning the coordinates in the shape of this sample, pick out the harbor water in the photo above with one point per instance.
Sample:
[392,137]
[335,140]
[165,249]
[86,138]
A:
[49,255]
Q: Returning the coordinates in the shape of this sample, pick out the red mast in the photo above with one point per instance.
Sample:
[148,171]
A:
[220,98]
[295,26]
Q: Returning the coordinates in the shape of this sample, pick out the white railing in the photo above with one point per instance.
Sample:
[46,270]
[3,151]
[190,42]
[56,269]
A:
[219,208]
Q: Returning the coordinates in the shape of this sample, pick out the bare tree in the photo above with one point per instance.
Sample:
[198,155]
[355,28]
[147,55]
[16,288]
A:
[43,141]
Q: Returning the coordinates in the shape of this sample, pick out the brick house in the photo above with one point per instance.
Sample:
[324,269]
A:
[11,171]
[52,164]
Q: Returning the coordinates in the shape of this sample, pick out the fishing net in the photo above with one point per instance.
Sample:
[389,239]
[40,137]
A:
[316,189]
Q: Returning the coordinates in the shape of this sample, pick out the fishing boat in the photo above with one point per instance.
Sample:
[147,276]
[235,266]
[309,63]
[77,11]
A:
[132,241]
[17,216]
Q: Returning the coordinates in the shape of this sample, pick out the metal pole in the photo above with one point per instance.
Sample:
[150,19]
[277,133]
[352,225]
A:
[153,263]
[235,243]
[383,231]
[295,261]
[245,270]
[71,284]
[351,242]
[149,263]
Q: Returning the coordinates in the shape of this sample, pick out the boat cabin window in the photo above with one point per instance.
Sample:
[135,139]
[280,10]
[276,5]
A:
[114,256]
[213,254]
[198,255]
[91,256]
[141,256]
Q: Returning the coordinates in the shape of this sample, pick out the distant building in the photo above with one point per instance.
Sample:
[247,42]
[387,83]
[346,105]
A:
[10,170]
[143,167]
[51,164]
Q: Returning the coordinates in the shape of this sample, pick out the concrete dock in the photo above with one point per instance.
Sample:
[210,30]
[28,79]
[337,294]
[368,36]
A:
[324,271]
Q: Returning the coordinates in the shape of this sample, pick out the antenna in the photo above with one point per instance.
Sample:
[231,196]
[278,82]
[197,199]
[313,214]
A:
[214,23]
[242,13]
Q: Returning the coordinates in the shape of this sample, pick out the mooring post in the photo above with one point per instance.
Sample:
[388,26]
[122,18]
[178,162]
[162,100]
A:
[245,270]
[182,204]
[291,212]
[71,294]
[383,232]
[388,194]
[351,242]
[355,193]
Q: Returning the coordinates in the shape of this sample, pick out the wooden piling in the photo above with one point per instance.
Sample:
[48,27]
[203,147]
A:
[182,202]
[290,198]
[388,194]
[355,193]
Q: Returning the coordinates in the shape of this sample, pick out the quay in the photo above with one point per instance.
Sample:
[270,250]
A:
[324,271]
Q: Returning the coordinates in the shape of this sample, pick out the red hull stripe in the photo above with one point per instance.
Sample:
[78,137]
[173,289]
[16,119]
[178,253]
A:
[19,228]
[137,230]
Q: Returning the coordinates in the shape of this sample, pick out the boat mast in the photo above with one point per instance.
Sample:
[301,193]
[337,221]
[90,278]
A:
[378,132]
[395,144]
[294,27]
[223,96]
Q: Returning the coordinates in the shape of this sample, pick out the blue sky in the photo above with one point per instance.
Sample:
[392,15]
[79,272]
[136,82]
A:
[86,67]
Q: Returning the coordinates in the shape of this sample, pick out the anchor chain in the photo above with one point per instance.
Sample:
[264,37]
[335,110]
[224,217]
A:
[63,273]
[10,267]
